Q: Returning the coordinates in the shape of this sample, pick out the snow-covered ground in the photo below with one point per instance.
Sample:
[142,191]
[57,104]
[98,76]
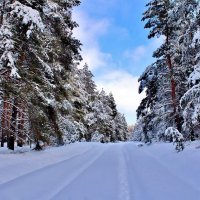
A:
[92,171]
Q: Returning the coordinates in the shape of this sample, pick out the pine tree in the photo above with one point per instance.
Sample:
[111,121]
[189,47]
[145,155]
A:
[177,22]
[182,17]
[121,128]
[64,56]
[45,97]
[89,95]
[145,111]
[157,16]
[18,20]
[190,101]
[37,55]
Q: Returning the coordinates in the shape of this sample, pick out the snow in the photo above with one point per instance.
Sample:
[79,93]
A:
[196,37]
[25,161]
[29,16]
[93,171]
[7,45]
[176,135]
[194,76]
[46,67]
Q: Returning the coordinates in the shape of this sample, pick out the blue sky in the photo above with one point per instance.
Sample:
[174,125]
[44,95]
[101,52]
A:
[116,47]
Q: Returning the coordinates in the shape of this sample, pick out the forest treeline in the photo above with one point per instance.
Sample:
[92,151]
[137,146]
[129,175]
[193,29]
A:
[44,96]
[171,107]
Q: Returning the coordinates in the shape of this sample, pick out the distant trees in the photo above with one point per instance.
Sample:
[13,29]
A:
[43,95]
[102,116]
[169,81]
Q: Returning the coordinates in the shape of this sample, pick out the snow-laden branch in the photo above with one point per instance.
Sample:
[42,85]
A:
[29,17]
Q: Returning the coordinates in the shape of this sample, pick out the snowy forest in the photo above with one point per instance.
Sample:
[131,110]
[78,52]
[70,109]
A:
[48,98]
[62,134]
[45,96]
[171,108]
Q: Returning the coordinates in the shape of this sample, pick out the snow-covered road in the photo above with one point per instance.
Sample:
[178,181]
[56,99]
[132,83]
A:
[91,171]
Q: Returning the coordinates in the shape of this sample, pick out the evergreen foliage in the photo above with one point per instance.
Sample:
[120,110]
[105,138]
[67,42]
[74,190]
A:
[172,82]
[45,98]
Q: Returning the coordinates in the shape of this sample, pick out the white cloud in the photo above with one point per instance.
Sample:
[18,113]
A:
[100,6]
[137,53]
[124,87]
[141,54]
[89,32]
[122,84]
[95,58]
[90,29]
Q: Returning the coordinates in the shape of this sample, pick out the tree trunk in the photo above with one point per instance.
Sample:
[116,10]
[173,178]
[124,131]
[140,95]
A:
[20,128]
[8,117]
[2,11]
[173,86]
[11,139]
[2,138]
[3,123]
[52,117]
[37,146]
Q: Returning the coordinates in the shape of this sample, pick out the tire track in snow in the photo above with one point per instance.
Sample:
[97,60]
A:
[124,188]
[50,174]
[161,164]
[149,171]
[75,156]
[98,182]
[78,173]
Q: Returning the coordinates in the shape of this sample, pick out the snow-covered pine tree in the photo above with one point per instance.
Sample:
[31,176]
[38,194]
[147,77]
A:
[89,96]
[176,58]
[190,101]
[177,138]
[99,119]
[182,15]
[38,49]
[146,110]
[136,135]
[17,22]
[45,97]
[64,56]
[109,121]
[116,134]
[121,128]
[87,81]
[103,121]
[158,21]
